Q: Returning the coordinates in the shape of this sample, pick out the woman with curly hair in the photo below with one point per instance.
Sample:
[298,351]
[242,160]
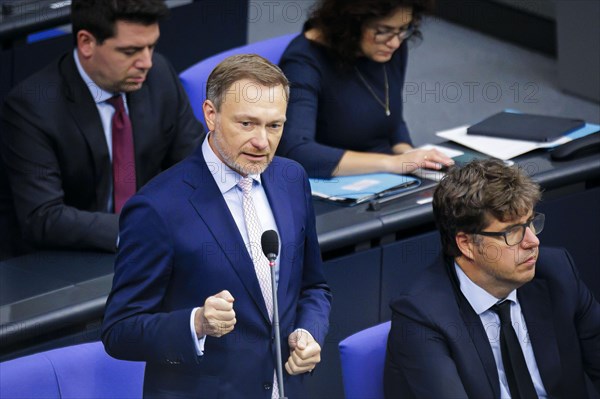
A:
[347,73]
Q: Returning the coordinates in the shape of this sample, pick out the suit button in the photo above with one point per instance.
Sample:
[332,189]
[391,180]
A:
[267,386]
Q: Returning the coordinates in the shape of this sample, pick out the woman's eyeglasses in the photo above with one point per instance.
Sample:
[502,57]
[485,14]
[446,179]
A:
[383,35]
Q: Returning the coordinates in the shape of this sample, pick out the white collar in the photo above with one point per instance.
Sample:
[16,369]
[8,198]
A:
[98,94]
[225,177]
[479,299]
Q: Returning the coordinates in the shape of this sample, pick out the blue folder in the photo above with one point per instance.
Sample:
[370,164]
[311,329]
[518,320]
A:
[353,190]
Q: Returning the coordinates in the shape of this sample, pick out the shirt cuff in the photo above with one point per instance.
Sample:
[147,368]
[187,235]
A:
[297,330]
[198,342]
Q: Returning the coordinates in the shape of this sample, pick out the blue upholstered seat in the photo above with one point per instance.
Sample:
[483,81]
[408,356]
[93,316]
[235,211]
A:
[194,78]
[82,371]
[363,358]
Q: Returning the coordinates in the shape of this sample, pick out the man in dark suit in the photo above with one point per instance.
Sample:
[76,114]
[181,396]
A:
[191,295]
[68,168]
[496,316]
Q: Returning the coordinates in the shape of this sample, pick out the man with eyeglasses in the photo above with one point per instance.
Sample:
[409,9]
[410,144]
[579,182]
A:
[496,316]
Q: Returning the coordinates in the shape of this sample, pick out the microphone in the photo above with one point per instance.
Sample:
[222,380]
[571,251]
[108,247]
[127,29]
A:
[269,242]
[270,245]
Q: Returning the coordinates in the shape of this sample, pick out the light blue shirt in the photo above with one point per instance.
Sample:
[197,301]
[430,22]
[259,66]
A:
[106,112]
[227,180]
[481,301]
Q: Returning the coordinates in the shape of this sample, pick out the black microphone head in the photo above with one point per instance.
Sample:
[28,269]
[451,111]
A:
[270,244]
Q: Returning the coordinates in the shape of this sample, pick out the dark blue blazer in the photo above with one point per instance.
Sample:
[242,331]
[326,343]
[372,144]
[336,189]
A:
[438,348]
[331,110]
[179,245]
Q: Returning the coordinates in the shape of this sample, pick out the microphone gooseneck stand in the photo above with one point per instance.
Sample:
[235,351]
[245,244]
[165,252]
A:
[270,247]
[277,333]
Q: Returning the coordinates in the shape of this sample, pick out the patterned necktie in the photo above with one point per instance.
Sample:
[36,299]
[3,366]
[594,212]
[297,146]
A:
[123,159]
[261,264]
[515,368]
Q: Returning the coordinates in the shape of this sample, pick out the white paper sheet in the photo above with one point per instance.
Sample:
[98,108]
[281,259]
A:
[505,148]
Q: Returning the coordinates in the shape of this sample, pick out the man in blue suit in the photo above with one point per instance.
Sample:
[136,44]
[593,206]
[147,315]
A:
[496,316]
[190,296]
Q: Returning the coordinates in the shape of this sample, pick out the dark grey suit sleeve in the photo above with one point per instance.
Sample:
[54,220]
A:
[36,184]
[189,133]
[419,363]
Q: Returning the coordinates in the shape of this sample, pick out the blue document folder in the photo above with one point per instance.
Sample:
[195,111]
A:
[352,190]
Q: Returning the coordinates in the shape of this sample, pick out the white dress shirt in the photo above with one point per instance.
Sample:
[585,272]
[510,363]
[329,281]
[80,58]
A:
[481,301]
[227,180]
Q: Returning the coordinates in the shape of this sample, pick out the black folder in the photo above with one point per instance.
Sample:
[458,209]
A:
[539,128]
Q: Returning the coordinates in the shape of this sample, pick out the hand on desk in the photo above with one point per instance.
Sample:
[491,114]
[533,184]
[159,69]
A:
[217,317]
[416,158]
[305,353]
[404,160]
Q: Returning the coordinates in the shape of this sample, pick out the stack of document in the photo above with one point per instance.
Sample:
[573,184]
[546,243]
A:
[505,148]
[518,126]
[353,190]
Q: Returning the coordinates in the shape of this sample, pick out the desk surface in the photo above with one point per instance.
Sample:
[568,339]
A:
[43,292]
[338,227]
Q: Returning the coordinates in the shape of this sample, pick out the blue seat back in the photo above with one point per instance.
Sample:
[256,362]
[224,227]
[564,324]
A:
[194,78]
[363,358]
[82,371]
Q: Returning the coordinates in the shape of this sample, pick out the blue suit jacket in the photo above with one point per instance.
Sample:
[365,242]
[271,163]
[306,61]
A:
[438,348]
[179,245]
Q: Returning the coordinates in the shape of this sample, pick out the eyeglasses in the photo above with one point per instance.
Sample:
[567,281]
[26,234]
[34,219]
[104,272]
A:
[383,36]
[515,234]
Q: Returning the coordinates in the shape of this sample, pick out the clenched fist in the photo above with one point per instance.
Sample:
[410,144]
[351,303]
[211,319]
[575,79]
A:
[217,317]
[305,352]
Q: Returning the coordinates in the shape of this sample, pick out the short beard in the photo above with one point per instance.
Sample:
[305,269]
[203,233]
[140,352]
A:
[228,159]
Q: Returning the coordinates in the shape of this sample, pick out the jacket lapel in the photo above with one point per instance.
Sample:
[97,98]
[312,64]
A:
[210,205]
[537,310]
[476,332]
[84,112]
[143,126]
[279,201]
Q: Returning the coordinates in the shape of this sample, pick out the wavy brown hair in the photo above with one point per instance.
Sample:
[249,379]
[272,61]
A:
[468,196]
[341,22]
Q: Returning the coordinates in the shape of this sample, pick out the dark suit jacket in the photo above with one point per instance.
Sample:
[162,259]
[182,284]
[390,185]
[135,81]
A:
[56,156]
[9,240]
[180,245]
[438,348]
